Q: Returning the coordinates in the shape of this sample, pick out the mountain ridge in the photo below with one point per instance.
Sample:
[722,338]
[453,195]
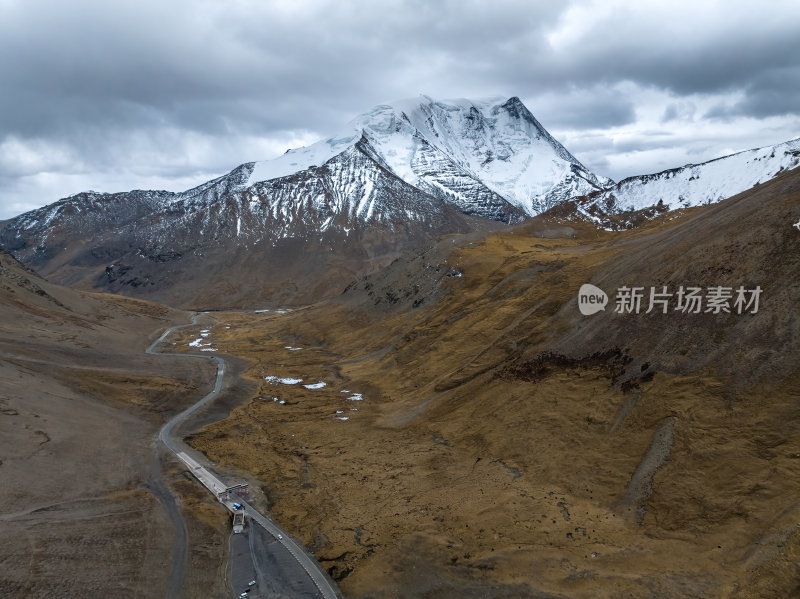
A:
[685,186]
[316,217]
[303,225]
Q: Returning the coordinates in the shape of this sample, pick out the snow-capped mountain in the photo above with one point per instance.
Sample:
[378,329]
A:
[691,185]
[396,177]
[288,240]
[304,224]
[459,150]
[89,212]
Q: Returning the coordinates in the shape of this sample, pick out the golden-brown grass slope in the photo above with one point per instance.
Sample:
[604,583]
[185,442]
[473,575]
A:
[507,446]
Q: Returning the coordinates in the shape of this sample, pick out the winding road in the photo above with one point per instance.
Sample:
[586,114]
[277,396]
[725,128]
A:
[309,567]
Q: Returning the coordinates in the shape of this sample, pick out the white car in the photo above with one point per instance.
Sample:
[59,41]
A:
[280,537]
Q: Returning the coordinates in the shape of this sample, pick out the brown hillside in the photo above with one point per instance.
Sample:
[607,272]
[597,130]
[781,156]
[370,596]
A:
[508,446]
[81,499]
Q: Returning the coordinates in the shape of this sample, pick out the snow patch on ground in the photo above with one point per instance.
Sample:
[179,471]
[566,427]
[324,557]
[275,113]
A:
[290,348]
[342,417]
[285,381]
[356,397]
[318,385]
[209,349]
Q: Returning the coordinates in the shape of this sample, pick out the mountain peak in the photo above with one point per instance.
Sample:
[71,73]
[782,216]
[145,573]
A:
[495,142]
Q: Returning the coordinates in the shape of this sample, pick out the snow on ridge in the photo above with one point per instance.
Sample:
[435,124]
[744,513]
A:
[460,151]
[706,183]
[300,159]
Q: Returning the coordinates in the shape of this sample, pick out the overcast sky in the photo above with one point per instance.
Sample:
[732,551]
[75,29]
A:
[164,94]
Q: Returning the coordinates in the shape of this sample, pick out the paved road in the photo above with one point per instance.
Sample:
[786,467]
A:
[310,579]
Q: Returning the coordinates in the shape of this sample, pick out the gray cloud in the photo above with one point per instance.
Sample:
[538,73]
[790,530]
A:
[594,107]
[164,93]
[774,92]
[684,111]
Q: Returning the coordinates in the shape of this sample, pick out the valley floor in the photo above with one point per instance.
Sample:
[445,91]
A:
[508,488]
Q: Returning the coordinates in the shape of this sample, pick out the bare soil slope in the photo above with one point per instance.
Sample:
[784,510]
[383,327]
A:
[81,510]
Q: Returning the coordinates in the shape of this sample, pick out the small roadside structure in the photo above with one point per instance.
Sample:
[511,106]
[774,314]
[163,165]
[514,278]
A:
[238,522]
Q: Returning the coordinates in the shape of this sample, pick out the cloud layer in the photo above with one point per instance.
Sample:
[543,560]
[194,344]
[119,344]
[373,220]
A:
[115,96]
